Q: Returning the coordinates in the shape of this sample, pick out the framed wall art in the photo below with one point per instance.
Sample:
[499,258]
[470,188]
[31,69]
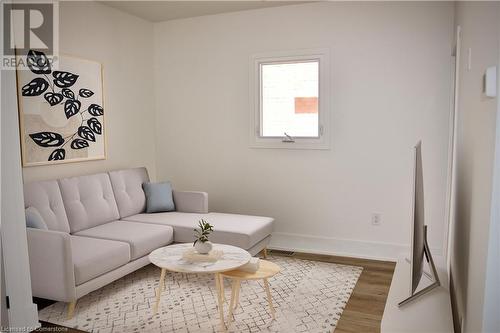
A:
[61,110]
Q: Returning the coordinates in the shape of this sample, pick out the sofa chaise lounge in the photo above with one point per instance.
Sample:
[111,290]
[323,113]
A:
[98,231]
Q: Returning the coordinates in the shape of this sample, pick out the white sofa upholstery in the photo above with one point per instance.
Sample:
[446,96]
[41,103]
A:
[51,264]
[127,187]
[99,231]
[93,257]
[239,230]
[142,238]
[46,197]
[89,201]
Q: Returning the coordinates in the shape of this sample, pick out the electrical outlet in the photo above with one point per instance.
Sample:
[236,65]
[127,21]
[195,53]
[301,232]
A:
[376,219]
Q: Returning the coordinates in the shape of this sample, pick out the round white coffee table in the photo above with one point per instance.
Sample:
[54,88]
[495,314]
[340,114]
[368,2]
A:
[170,258]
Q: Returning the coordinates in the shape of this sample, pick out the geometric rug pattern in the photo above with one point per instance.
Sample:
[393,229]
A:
[309,296]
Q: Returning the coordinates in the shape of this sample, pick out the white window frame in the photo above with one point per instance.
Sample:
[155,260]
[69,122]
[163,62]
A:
[320,142]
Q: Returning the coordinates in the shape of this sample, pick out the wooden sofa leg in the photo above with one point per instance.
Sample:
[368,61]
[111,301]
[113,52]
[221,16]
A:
[71,309]
[264,253]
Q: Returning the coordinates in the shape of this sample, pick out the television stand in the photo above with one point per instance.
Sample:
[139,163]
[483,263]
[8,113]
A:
[434,277]
[431,313]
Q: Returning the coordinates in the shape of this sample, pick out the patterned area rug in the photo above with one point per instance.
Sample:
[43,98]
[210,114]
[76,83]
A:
[309,296]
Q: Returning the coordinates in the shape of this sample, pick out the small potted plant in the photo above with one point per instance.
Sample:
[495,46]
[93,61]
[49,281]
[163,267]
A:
[201,244]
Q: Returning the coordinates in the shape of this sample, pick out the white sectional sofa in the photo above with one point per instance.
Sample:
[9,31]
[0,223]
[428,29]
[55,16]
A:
[98,230]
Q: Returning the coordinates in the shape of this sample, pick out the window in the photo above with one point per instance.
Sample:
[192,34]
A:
[290,100]
[289,95]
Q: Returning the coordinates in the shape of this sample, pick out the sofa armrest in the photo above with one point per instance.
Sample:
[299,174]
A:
[51,265]
[191,202]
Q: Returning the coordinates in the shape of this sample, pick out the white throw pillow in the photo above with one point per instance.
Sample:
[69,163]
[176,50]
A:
[34,219]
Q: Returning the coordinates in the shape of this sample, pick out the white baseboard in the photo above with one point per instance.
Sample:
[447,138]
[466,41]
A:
[339,247]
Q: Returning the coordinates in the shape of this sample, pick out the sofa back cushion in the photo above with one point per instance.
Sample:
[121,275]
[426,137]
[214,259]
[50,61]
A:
[89,201]
[45,196]
[127,186]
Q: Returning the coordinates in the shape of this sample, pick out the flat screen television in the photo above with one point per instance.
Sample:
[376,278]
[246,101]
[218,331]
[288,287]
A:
[419,246]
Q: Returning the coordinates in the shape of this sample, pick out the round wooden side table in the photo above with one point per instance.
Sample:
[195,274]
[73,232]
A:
[171,258]
[266,270]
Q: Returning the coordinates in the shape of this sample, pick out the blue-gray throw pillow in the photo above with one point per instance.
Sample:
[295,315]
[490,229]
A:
[158,197]
[34,219]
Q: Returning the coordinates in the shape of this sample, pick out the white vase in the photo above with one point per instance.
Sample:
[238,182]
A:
[203,248]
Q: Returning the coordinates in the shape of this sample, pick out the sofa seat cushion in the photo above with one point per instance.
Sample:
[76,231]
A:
[239,230]
[143,238]
[93,257]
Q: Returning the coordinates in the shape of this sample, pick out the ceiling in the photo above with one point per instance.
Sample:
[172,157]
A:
[157,11]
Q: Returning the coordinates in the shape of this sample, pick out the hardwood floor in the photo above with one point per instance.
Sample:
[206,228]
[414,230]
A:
[363,312]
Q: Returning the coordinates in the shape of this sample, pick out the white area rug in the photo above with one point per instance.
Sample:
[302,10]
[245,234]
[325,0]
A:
[309,296]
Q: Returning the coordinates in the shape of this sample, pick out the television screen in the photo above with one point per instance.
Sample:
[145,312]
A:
[418,232]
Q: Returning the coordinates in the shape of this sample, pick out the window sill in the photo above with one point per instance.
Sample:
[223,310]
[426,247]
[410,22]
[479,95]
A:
[298,144]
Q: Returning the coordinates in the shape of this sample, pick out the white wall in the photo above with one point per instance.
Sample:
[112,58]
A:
[491,320]
[390,76]
[123,44]
[476,135]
